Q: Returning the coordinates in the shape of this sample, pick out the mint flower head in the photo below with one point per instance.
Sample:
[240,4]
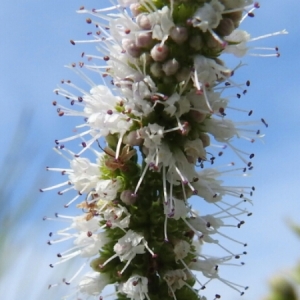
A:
[154,127]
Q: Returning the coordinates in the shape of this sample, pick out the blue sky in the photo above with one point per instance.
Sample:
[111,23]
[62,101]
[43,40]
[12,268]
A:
[34,47]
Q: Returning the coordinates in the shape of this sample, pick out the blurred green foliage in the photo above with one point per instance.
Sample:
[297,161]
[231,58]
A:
[286,287]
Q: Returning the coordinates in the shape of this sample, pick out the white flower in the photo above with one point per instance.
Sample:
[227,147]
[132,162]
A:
[93,283]
[175,208]
[128,246]
[85,174]
[209,266]
[152,135]
[194,149]
[181,249]
[224,130]
[207,71]
[208,16]
[208,187]
[181,170]
[91,243]
[80,223]
[108,189]
[170,107]
[101,113]
[207,102]
[237,42]
[115,216]
[175,279]
[135,288]
[162,23]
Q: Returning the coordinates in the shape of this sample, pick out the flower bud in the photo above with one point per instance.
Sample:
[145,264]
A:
[135,9]
[212,43]
[196,42]
[205,139]
[132,139]
[156,69]
[194,149]
[197,116]
[225,27]
[179,34]
[235,17]
[144,39]
[170,67]
[131,47]
[128,197]
[143,21]
[159,53]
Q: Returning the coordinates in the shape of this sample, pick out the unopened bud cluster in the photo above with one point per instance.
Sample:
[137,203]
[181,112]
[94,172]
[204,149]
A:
[155,134]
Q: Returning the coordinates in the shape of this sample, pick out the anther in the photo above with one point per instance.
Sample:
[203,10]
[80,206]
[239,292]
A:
[264,122]
[222,111]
